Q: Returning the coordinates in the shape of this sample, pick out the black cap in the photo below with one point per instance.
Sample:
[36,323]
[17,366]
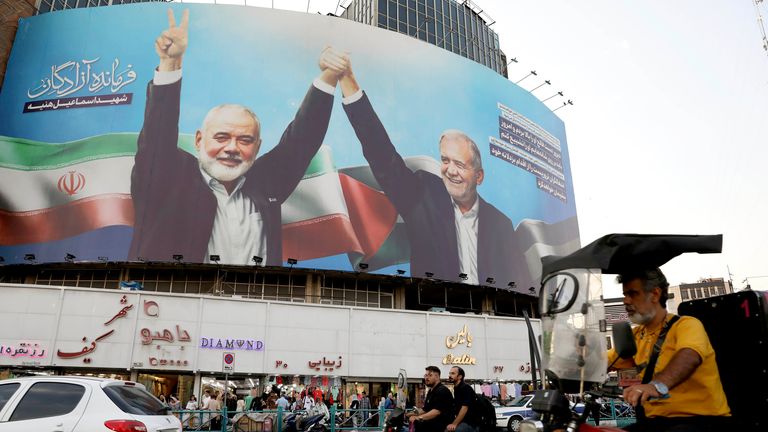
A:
[620,253]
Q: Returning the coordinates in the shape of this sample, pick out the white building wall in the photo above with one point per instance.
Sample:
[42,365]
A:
[90,328]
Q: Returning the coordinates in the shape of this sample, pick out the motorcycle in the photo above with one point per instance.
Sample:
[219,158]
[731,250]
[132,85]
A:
[573,341]
[396,421]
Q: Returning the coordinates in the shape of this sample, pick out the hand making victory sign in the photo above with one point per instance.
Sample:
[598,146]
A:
[172,43]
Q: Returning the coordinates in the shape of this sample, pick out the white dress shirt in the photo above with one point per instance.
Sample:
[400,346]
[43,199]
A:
[466,240]
[238,228]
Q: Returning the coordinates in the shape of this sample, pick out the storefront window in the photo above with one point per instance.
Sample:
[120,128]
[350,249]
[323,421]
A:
[168,384]
[17,373]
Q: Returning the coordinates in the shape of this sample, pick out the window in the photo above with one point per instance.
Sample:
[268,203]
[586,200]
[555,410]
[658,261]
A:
[134,400]
[684,294]
[48,399]
[6,391]
[349,292]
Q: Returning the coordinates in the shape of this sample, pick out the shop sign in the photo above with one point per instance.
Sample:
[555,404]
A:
[465,359]
[326,365]
[167,335]
[22,349]
[88,348]
[154,361]
[232,344]
[462,337]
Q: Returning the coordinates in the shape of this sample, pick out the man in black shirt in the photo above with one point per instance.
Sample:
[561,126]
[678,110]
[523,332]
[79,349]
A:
[463,402]
[438,406]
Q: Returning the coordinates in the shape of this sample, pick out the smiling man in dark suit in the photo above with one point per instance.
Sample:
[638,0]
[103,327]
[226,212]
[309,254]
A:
[451,229]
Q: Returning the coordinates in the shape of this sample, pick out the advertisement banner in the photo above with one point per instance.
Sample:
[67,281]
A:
[242,135]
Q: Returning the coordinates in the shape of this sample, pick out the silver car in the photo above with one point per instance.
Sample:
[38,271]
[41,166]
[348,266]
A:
[70,404]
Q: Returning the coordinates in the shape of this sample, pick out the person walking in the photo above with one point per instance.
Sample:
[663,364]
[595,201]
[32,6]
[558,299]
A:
[365,407]
[189,419]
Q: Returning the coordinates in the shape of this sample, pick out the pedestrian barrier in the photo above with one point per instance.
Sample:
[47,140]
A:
[615,413]
[275,420]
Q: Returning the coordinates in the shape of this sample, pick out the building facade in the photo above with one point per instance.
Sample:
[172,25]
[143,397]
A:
[75,301]
[184,344]
[704,288]
[44,6]
[457,26]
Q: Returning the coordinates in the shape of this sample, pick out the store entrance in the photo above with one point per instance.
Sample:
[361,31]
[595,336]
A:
[166,385]
[240,387]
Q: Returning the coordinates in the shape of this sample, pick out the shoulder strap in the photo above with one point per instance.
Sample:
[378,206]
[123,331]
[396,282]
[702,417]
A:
[657,349]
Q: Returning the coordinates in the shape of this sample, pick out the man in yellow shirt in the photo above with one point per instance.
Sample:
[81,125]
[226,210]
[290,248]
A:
[683,392]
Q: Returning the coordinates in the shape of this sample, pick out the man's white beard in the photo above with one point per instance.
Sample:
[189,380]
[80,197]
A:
[642,319]
[221,172]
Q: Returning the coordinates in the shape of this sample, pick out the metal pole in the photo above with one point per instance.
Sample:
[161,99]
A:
[224,405]
[333,417]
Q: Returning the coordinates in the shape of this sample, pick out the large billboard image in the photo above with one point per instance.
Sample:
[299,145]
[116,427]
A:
[251,136]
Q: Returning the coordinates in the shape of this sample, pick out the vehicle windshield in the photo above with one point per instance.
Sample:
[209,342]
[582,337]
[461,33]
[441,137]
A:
[135,400]
[519,401]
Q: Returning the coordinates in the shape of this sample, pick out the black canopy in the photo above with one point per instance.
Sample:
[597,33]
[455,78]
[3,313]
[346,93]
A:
[619,253]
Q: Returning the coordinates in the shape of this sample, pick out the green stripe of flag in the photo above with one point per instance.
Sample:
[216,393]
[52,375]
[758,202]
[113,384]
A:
[29,155]
[321,163]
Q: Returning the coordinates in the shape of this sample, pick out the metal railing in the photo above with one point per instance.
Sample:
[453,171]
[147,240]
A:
[615,413]
[275,420]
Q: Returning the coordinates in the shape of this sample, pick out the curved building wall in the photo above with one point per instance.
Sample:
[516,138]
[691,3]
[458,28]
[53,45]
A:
[80,328]
[71,180]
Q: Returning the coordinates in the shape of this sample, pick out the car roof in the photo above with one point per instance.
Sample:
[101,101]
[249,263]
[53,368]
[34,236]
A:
[64,378]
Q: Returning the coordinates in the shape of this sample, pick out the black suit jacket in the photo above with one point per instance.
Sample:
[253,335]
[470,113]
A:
[175,208]
[427,209]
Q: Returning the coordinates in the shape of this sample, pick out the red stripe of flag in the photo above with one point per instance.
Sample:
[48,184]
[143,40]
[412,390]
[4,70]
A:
[71,219]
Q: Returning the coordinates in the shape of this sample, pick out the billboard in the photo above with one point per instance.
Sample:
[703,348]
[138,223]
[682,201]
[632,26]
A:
[245,136]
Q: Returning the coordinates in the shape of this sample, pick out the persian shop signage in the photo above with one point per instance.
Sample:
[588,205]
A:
[461,338]
[232,344]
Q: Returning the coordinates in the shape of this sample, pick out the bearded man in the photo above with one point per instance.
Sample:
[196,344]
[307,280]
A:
[681,388]
[226,201]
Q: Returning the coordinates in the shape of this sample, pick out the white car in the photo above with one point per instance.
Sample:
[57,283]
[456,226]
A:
[71,404]
[515,412]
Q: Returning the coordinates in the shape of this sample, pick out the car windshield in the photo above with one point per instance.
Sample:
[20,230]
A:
[518,402]
[135,400]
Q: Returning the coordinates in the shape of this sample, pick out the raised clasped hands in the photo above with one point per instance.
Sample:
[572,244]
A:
[172,42]
[335,62]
